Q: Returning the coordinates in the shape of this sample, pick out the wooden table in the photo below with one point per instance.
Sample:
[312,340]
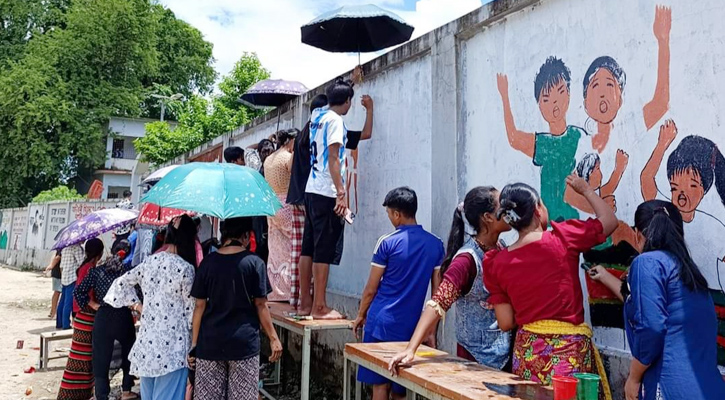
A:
[281,318]
[437,375]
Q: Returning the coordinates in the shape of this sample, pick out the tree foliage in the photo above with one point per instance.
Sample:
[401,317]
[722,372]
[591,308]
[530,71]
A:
[200,119]
[67,66]
[57,193]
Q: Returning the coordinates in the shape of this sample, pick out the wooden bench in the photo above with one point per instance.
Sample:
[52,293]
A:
[437,375]
[45,339]
[282,318]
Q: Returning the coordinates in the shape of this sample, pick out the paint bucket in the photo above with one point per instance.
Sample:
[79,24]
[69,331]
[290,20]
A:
[588,387]
[565,387]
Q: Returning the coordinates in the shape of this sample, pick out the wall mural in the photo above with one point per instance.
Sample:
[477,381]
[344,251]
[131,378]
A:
[36,227]
[6,218]
[693,166]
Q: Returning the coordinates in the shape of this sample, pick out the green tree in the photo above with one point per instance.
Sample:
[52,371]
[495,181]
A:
[57,193]
[201,120]
[67,66]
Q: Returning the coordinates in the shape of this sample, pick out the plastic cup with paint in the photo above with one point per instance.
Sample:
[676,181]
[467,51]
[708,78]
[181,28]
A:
[565,387]
[588,387]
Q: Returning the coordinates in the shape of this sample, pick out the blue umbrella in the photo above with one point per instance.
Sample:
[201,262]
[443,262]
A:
[219,190]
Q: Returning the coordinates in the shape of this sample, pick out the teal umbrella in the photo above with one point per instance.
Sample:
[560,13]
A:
[220,190]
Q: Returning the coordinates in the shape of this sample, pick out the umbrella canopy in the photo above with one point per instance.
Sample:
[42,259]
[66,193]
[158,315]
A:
[158,174]
[220,190]
[94,224]
[351,29]
[154,215]
[272,93]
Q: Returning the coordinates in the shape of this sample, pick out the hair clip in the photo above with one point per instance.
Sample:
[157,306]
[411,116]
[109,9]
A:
[510,216]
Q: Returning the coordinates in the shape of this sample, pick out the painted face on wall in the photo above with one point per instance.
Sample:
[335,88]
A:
[595,178]
[604,97]
[687,190]
[554,103]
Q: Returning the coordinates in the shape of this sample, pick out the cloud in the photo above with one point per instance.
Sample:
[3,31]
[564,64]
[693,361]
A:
[271,28]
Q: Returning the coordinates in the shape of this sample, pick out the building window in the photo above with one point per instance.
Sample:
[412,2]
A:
[117,151]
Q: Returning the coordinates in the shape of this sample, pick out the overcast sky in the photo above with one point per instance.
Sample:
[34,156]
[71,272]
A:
[271,28]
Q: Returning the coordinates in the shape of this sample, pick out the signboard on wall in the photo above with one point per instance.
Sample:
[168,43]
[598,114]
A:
[213,155]
[17,239]
[36,226]
[6,221]
[57,218]
[80,210]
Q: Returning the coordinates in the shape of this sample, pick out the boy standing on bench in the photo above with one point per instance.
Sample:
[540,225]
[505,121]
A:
[403,263]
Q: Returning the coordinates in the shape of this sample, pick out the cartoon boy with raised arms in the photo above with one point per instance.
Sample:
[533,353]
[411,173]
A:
[554,151]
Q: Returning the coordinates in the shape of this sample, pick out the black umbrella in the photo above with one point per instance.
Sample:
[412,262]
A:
[350,29]
[272,93]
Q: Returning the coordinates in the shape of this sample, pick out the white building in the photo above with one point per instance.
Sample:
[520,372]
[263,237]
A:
[122,170]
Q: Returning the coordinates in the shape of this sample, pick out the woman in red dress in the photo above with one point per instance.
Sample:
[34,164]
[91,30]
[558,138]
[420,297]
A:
[77,382]
[534,283]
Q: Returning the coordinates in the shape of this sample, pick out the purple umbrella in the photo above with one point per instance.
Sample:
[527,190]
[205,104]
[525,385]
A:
[94,224]
[272,93]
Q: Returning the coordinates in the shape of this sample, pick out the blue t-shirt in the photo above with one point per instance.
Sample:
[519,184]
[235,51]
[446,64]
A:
[409,256]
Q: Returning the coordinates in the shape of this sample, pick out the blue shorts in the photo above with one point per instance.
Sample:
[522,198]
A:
[364,375]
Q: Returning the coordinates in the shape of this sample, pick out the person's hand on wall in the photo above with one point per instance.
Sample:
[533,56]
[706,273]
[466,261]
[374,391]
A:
[611,202]
[663,23]
[668,132]
[598,273]
[578,184]
[367,102]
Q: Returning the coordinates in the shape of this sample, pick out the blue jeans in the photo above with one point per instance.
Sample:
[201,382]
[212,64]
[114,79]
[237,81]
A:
[65,307]
[171,386]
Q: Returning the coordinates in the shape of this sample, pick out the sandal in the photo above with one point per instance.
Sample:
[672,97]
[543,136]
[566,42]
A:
[130,396]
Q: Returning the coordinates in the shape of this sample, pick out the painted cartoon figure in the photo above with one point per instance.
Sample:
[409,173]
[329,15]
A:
[590,169]
[603,88]
[554,151]
[605,80]
[351,179]
[692,169]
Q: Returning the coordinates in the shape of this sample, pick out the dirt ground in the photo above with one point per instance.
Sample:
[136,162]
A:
[24,306]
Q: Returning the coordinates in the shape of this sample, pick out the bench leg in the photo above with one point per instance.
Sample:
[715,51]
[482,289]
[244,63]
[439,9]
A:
[306,341]
[41,366]
[46,353]
[358,386]
[345,379]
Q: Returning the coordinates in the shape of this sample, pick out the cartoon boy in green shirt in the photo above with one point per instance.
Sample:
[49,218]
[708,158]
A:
[553,151]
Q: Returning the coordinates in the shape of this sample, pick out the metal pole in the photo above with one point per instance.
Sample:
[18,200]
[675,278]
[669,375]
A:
[163,110]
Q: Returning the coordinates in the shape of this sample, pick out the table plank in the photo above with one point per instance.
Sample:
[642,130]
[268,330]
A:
[281,312]
[449,376]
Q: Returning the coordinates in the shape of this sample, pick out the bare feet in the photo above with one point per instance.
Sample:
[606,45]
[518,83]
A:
[304,311]
[326,313]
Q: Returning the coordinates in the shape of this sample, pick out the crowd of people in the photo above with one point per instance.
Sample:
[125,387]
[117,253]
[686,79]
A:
[519,306]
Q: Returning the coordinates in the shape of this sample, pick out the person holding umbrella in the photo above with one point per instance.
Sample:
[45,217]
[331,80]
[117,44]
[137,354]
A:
[159,354]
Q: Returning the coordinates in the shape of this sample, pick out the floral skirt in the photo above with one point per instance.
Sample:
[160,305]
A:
[77,382]
[280,253]
[537,357]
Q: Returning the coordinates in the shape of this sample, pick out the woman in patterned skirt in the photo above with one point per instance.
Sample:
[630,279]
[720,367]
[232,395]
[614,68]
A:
[278,169]
[77,382]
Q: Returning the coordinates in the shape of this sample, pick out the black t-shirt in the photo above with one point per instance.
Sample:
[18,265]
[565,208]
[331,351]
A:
[301,163]
[230,324]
